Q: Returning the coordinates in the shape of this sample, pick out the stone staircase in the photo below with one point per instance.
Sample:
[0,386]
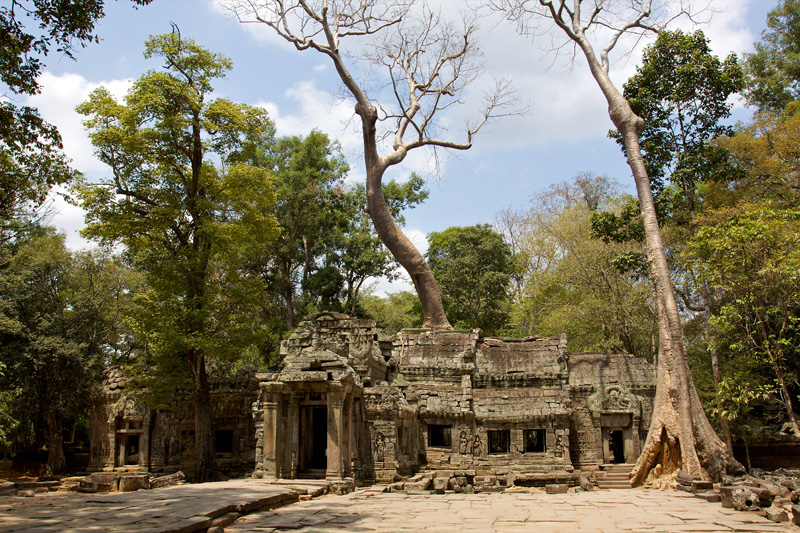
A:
[615,477]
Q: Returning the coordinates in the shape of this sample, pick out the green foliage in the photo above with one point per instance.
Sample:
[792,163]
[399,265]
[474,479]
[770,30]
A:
[681,91]
[473,267]
[765,152]
[574,283]
[395,311]
[309,174]
[188,223]
[773,70]
[60,321]
[31,161]
[750,255]
[356,251]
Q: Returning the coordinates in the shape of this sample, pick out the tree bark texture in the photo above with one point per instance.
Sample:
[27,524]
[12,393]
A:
[56,462]
[680,435]
[203,428]
[390,233]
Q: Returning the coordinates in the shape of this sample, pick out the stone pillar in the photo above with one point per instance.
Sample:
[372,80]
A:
[335,432]
[294,444]
[271,437]
[347,436]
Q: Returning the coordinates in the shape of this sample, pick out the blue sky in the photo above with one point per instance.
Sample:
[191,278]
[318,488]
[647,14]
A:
[565,134]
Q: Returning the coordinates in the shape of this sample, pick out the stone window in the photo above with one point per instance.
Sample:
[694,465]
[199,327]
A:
[223,440]
[499,441]
[533,440]
[440,436]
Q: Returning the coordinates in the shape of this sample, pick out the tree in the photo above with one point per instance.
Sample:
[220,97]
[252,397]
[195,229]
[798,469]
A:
[393,312]
[473,265]
[188,210]
[58,324]
[576,283]
[680,435]
[357,251]
[764,152]
[773,70]
[428,63]
[681,91]
[309,174]
[750,254]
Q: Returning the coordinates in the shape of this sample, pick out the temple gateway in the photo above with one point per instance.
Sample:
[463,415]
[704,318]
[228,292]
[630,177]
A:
[354,402]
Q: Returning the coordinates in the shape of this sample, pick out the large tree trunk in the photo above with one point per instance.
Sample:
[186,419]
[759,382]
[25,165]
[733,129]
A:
[203,428]
[391,235]
[680,435]
[56,462]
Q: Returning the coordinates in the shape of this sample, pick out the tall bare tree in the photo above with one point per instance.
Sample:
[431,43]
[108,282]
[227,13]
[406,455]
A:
[680,436]
[428,62]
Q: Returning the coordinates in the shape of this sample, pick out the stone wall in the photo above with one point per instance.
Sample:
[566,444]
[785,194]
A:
[354,402]
[126,435]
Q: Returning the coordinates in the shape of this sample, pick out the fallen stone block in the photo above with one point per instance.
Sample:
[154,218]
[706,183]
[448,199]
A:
[440,485]
[586,484]
[699,485]
[131,483]
[177,478]
[796,515]
[744,499]
[712,497]
[418,485]
[776,514]
[25,493]
[556,488]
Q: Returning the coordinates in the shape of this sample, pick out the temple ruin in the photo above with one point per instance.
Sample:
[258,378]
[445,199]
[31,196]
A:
[353,402]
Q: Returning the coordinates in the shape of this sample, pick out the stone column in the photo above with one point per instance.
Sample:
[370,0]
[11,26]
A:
[294,424]
[347,436]
[271,436]
[335,432]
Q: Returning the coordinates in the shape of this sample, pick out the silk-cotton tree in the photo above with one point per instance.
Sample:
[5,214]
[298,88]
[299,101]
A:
[427,61]
[680,436]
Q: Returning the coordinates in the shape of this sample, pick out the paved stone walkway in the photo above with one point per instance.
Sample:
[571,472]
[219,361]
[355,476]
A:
[188,508]
[182,508]
[598,511]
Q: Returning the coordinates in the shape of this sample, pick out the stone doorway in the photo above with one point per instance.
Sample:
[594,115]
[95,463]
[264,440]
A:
[313,460]
[616,446]
[617,437]
[131,442]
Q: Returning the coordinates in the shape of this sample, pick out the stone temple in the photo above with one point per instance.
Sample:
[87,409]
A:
[353,402]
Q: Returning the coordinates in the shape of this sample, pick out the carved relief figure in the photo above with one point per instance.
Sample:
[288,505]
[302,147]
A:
[463,443]
[380,450]
[476,446]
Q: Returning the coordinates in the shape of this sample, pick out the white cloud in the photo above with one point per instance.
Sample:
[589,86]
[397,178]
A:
[68,218]
[57,102]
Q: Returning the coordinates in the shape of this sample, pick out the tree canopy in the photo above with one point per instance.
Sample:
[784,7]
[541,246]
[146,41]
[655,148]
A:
[187,208]
[473,265]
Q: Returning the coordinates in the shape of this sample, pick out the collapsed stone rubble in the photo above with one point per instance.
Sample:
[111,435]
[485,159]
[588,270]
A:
[774,495]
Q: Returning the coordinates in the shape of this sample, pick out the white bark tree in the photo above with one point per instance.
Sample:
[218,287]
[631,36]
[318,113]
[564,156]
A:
[680,436]
[428,63]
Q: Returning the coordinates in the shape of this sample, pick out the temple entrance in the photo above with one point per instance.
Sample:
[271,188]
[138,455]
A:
[617,437]
[616,446]
[130,444]
[313,458]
